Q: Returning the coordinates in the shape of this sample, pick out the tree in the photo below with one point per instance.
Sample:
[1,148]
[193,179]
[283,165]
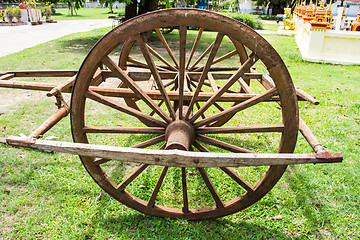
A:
[74,4]
[145,6]
[277,5]
[108,3]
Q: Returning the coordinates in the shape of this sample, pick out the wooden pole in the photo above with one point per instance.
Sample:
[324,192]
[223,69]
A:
[174,158]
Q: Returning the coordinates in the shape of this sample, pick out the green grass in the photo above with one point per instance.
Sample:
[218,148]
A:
[86,13]
[50,195]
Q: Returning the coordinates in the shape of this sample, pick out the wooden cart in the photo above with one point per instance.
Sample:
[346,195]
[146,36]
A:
[185,100]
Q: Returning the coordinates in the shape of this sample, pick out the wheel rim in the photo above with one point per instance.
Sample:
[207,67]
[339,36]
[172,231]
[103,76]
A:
[158,119]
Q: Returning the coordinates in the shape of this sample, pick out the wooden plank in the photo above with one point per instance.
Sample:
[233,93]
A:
[175,158]
[136,130]
[67,84]
[45,73]
[128,93]
[242,129]
[7,76]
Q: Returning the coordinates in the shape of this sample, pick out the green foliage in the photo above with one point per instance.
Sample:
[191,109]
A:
[251,20]
[108,3]
[9,12]
[73,4]
[268,17]
[288,3]
[226,4]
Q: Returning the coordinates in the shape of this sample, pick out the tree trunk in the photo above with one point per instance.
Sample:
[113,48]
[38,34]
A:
[71,8]
[131,9]
[147,6]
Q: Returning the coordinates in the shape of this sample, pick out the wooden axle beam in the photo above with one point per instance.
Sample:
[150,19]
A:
[174,158]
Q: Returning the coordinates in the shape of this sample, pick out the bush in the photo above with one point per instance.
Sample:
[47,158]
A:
[226,4]
[268,17]
[9,12]
[17,13]
[250,20]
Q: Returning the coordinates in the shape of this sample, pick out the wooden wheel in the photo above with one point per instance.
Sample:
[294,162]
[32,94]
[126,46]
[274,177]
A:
[173,96]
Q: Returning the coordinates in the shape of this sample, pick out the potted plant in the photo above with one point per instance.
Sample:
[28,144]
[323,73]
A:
[9,13]
[17,14]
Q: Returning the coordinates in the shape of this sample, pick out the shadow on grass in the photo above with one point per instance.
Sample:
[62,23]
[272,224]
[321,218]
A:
[138,226]
[308,198]
[81,45]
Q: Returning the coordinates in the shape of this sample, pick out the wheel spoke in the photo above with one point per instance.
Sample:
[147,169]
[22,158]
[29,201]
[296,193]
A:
[182,33]
[99,161]
[201,57]
[184,190]
[213,85]
[194,46]
[244,129]
[232,173]
[121,187]
[240,72]
[146,119]
[143,65]
[145,50]
[134,87]
[150,142]
[157,187]
[158,56]
[234,109]
[204,74]
[135,130]
[211,187]
[221,144]
[162,39]
[222,58]
[245,86]
[198,107]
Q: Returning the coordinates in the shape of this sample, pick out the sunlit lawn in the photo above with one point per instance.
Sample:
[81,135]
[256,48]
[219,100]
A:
[50,195]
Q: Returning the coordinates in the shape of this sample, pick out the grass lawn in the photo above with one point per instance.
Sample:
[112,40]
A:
[50,195]
[86,13]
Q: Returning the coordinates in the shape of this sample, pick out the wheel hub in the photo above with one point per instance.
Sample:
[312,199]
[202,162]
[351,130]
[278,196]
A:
[180,135]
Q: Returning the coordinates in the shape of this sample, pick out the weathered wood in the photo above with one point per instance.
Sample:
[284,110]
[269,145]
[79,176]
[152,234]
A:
[7,76]
[146,119]
[211,187]
[155,74]
[181,76]
[198,37]
[67,84]
[157,187]
[201,57]
[244,68]
[309,136]
[307,97]
[221,144]
[174,158]
[135,130]
[44,73]
[185,207]
[204,73]
[239,107]
[158,56]
[222,58]
[162,39]
[134,87]
[243,129]
[51,121]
